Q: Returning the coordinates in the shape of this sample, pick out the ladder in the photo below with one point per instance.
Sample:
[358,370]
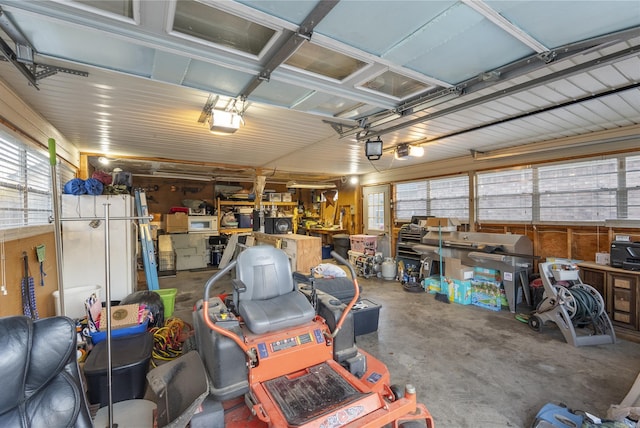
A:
[148,252]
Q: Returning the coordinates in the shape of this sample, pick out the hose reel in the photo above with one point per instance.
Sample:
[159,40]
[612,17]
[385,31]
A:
[582,302]
[571,304]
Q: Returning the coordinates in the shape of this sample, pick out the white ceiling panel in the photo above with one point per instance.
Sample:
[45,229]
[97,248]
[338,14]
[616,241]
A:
[497,74]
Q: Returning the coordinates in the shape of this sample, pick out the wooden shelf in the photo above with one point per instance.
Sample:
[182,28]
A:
[236,203]
[280,204]
[237,230]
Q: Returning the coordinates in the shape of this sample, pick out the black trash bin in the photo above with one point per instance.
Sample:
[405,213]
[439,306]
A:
[341,245]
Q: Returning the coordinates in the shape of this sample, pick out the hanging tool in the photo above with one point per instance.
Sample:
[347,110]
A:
[40,251]
[28,291]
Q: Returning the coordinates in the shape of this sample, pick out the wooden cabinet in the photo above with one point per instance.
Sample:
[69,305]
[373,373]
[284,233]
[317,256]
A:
[619,288]
[624,299]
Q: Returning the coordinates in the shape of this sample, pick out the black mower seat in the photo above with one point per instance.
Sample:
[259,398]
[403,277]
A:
[268,300]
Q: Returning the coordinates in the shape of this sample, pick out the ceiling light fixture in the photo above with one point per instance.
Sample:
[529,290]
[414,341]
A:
[373,149]
[103,160]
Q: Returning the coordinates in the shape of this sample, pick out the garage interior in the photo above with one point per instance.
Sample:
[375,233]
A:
[432,144]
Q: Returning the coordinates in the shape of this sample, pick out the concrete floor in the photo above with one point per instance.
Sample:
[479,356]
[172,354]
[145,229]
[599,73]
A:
[472,367]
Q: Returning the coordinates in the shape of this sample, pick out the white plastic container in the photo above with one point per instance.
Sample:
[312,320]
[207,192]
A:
[74,299]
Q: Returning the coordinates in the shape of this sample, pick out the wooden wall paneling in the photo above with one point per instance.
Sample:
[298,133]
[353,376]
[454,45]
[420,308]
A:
[584,244]
[11,304]
[551,243]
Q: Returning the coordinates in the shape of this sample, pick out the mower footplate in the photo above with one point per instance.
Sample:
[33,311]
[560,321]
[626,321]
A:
[318,391]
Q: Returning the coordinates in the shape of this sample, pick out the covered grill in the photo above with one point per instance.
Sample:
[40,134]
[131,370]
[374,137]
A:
[508,253]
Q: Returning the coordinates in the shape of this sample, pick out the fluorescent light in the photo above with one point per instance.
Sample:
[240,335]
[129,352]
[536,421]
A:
[224,122]
[176,176]
[299,185]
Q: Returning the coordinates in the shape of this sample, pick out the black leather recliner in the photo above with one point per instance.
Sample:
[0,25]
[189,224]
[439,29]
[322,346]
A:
[39,376]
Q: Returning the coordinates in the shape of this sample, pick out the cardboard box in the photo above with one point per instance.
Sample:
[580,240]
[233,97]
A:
[460,292]
[286,197]
[177,223]
[442,221]
[486,294]
[603,259]
[486,274]
[454,269]
[121,316]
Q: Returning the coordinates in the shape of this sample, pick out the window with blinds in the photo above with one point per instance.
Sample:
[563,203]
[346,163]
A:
[630,194]
[25,183]
[443,197]
[505,195]
[578,191]
[449,197]
[411,199]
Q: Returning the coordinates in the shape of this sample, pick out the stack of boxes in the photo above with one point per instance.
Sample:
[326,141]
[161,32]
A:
[468,285]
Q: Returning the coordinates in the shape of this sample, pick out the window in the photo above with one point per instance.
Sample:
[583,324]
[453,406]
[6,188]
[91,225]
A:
[25,183]
[375,212]
[630,194]
[207,23]
[443,197]
[449,197]
[579,191]
[505,195]
[411,199]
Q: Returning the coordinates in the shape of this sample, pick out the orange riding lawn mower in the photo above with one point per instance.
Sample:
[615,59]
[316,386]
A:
[279,356]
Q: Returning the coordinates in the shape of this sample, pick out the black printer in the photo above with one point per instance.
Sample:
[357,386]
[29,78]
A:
[625,255]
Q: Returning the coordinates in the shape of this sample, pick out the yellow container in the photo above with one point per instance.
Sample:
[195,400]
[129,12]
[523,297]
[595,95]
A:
[168,296]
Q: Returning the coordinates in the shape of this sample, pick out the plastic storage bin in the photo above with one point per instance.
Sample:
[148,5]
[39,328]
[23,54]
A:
[74,298]
[100,336]
[365,319]
[168,296]
[130,357]
[366,244]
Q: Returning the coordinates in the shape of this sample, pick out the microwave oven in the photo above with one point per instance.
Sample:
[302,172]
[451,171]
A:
[203,223]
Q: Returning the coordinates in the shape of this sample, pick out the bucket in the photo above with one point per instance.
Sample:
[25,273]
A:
[168,296]
[326,251]
[74,298]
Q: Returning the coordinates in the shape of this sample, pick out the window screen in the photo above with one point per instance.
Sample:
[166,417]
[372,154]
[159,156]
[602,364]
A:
[505,195]
[411,199]
[443,197]
[631,195]
[449,197]
[580,191]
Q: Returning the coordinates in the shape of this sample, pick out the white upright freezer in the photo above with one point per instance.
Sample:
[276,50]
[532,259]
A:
[83,244]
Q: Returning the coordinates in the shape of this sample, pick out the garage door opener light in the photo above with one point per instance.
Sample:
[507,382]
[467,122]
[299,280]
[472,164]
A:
[222,122]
